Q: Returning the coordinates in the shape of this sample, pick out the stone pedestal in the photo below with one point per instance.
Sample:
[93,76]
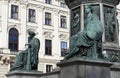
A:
[115,70]
[23,74]
[82,68]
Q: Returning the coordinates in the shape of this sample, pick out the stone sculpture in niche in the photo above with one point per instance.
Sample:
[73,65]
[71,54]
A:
[75,21]
[87,42]
[28,59]
[110,24]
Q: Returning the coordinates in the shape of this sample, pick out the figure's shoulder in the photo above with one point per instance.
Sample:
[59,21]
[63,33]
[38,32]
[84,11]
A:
[95,16]
[36,39]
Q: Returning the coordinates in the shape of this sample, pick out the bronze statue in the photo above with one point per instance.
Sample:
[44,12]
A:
[28,59]
[88,37]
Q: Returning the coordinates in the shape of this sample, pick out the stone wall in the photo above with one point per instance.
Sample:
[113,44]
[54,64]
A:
[33,74]
[115,70]
[55,74]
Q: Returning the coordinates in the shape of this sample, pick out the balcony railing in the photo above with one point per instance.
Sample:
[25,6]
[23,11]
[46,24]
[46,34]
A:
[15,52]
[7,51]
[1,50]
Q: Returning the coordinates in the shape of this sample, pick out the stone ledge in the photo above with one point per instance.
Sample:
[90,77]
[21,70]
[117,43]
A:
[37,73]
[115,67]
[32,74]
[86,61]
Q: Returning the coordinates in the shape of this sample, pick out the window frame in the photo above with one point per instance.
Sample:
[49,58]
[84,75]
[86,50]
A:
[12,42]
[63,21]
[48,18]
[49,68]
[63,4]
[31,13]
[63,50]
[14,10]
[48,48]
[48,1]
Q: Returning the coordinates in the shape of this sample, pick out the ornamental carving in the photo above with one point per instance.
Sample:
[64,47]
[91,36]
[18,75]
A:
[63,37]
[48,34]
[4,60]
[40,8]
[48,8]
[56,11]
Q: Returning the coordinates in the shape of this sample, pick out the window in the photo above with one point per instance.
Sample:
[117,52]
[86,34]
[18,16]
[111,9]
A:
[13,39]
[48,47]
[49,68]
[47,18]
[63,48]
[31,15]
[63,21]
[14,11]
[62,4]
[48,1]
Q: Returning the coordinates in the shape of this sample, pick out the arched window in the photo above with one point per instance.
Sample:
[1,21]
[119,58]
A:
[13,39]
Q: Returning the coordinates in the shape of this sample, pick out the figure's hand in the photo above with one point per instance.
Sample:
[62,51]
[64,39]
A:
[29,46]
[26,44]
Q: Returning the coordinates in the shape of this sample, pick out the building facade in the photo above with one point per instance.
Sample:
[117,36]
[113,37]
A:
[48,18]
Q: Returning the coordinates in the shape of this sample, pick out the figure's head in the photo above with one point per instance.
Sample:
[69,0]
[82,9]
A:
[76,16]
[31,33]
[88,9]
[109,10]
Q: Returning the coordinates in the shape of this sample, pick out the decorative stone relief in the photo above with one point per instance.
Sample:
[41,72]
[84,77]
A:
[63,37]
[63,12]
[56,11]
[4,60]
[24,5]
[40,8]
[110,24]
[48,34]
[48,8]
[14,1]
[75,21]
[113,56]
[32,5]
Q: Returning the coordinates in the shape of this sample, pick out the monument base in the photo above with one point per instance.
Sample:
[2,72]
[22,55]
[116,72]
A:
[84,68]
[23,74]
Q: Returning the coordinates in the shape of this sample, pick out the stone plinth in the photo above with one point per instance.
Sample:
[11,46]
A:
[82,68]
[115,70]
[23,74]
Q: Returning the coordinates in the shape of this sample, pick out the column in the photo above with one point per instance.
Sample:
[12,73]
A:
[23,23]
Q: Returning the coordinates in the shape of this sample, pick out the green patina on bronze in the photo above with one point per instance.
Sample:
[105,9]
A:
[72,3]
[28,59]
[88,38]
[87,42]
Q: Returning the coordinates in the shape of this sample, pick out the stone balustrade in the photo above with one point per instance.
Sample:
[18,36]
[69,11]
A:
[1,50]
